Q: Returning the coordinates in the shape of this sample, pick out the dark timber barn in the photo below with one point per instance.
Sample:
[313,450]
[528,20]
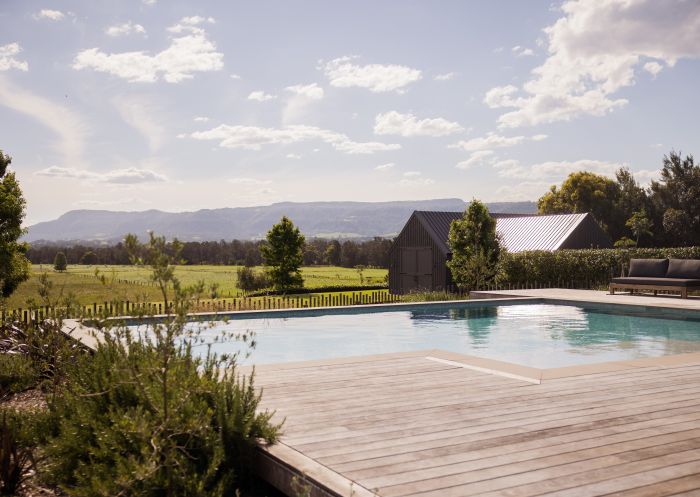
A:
[419,255]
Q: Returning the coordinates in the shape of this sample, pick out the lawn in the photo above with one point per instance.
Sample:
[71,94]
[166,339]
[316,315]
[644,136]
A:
[132,283]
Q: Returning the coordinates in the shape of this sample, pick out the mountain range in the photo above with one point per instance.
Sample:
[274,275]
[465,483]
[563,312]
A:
[315,219]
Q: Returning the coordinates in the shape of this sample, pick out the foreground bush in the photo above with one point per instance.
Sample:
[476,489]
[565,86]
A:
[593,266]
[145,414]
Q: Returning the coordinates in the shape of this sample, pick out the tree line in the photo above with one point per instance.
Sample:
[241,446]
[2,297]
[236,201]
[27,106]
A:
[348,253]
[666,214]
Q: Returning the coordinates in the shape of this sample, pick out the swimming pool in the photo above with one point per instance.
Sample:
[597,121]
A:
[541,335]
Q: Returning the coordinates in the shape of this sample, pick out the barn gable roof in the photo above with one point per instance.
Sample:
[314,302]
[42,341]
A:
[518,232]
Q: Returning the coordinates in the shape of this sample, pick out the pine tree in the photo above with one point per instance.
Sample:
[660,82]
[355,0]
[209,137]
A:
[59,262]
[283,254]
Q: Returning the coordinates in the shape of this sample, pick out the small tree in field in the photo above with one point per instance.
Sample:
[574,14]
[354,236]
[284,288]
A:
[283,254]
[475,248]
[59,262]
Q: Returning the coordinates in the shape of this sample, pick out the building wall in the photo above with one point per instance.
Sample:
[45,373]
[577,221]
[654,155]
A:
[414,237]
[587,235]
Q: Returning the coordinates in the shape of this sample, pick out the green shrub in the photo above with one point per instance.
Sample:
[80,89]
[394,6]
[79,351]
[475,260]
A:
[17,373]
[592,266]
[249,280]
[146,415]
[17,461]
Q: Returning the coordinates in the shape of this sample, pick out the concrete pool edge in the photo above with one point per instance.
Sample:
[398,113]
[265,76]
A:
[494,366]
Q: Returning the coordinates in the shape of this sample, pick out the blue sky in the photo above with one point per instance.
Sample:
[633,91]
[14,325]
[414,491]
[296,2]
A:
[176,105]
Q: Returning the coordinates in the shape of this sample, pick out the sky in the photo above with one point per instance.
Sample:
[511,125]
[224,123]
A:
[184,105]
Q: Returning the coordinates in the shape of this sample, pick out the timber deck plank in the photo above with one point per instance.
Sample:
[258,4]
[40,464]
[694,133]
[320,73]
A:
[406,425]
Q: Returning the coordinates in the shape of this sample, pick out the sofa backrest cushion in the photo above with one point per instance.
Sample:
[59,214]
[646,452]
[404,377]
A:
[684,268]
[648,268]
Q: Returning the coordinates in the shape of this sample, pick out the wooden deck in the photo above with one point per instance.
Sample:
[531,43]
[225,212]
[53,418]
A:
[439,424]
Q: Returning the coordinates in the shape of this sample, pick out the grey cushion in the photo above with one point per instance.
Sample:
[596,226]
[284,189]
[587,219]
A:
[679,282]
[683,268]
[648,268]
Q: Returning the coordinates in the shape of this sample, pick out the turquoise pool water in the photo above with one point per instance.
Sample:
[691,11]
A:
[539,335]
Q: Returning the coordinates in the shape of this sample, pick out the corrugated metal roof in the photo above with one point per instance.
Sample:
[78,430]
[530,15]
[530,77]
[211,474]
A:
[517,232]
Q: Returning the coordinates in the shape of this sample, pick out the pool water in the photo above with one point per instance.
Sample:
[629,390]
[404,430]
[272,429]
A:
[537,335]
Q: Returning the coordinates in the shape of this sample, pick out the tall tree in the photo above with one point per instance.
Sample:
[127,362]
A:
[14,266]
[475,248]
[584,191]
[283,254]
[333,253]
[676,200]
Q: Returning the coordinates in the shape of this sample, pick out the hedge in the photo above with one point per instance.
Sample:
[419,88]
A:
[586,267]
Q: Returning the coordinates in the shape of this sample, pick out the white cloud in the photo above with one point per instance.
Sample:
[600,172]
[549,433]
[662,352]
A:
[415,178]
[645,176]
[128,176]
[593,51]
[201,119]
[653,68]
[478,158]
[8,60]
[235,76]
[51,15]
[293,156]
[492,140]
[378,78]
[109,203]
[141,114]
[69,127]
[261,96]
[249,181]
[254,138]
[193,52]
[125,29]
[385,167]
[519,51]
[395,123]
[311,91]
[526,190]
[444,77]
[149,2]
[554,171]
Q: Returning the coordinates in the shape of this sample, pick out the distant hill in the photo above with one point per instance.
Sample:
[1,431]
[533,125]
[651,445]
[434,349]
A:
[315,219]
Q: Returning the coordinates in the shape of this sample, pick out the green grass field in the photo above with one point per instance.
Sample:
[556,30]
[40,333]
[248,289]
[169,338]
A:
[132,283]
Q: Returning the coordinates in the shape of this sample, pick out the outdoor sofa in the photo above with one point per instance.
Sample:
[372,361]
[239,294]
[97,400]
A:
[674,275]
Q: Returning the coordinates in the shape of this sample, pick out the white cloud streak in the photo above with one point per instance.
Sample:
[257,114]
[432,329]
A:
[493,140]
[343,72]
[128,176]
[68,126]
[141,114]
[125,29]
[593,51]
[478,158]
[49,14]
[395,123]
[311,91]
[254,138]
[261,96]
[8,60]
[187,54]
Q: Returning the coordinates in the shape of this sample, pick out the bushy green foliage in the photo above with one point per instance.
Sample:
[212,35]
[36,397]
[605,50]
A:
[60,263]
[589,265]
[14,266]
[145,415]
[475,248]
[283,254]
[16,455]
[250,280]
[17,373]
[676,200]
